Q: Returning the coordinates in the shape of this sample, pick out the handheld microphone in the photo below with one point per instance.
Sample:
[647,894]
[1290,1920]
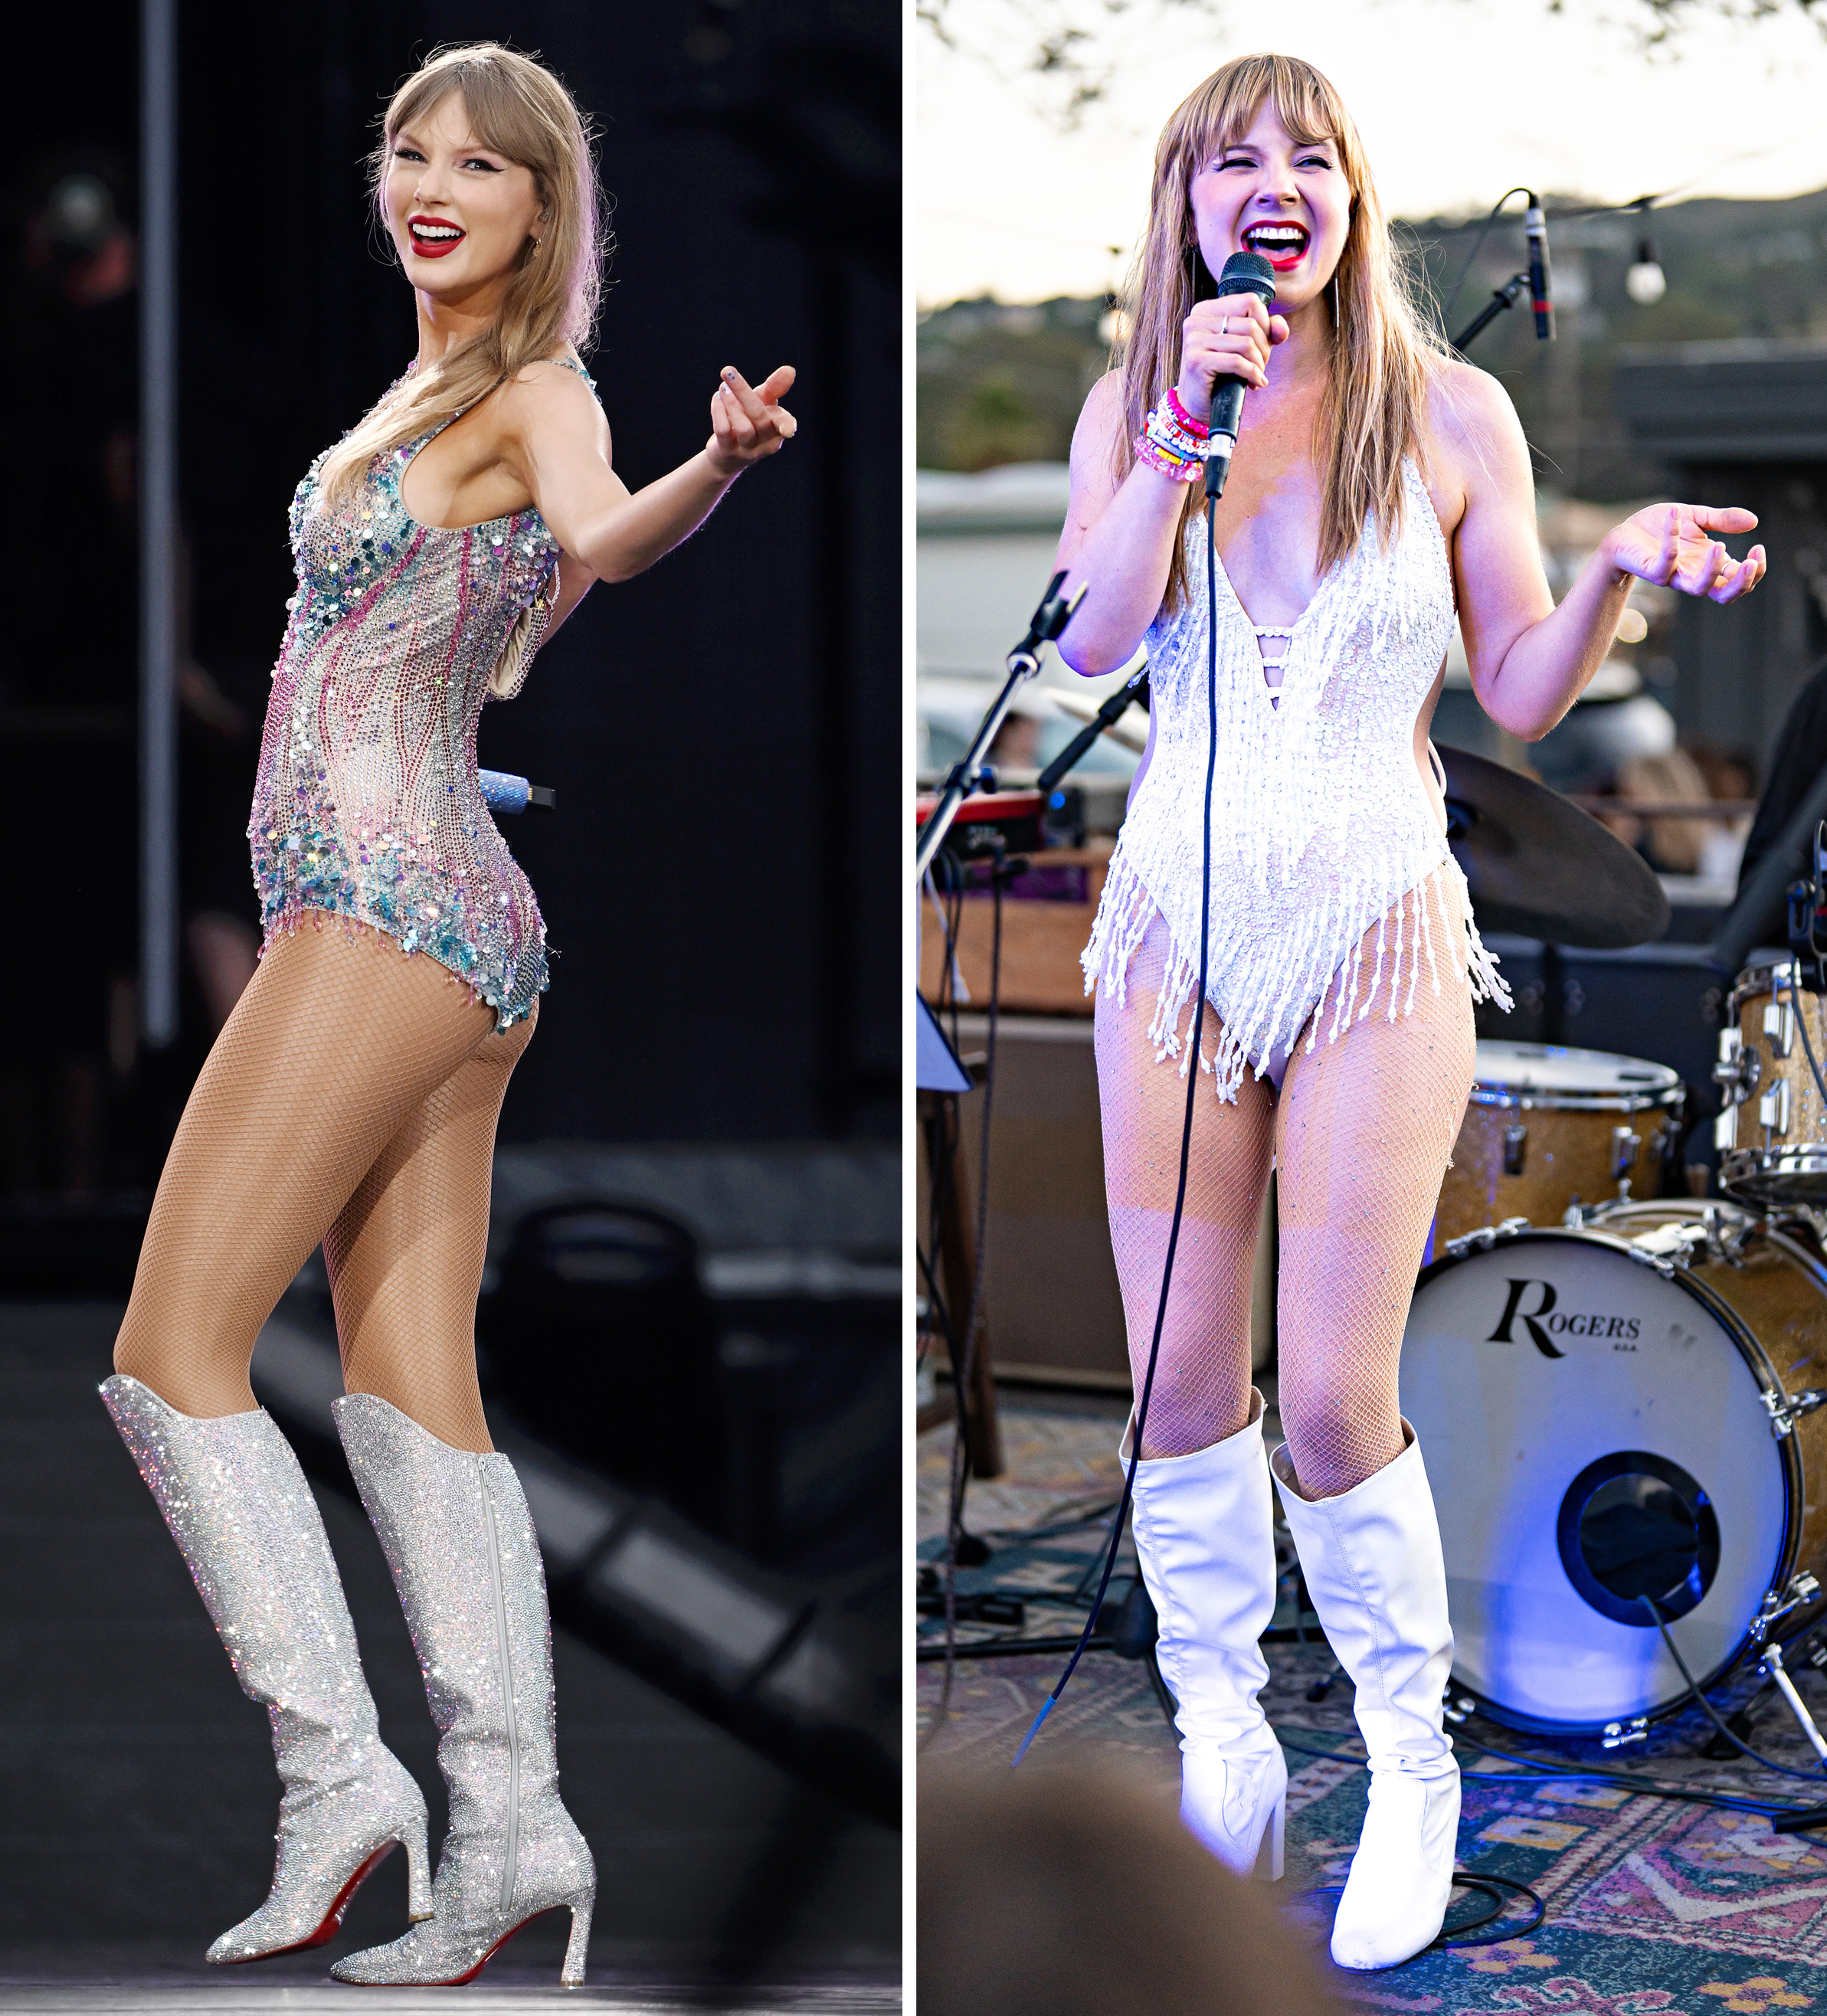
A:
[1541,288]
[1245,273]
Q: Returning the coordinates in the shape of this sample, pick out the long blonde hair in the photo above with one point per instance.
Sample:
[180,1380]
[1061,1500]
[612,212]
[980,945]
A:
[1383,349]
[516,107]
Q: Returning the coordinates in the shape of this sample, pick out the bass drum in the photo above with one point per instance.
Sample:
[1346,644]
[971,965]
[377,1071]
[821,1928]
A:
[1610,1412]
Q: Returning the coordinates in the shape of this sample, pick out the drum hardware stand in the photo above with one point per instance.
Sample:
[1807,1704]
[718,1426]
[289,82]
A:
[1805,902]
[1055,612]
[1803,1589]
[1771,1668]
[1784,1412]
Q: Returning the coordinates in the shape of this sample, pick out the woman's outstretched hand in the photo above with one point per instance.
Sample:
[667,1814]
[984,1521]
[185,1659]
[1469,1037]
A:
[747,422]
[1673,546]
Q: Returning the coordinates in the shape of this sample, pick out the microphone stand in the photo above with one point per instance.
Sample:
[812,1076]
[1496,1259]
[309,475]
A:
[1055,612]
[1105,716]
[1505,296]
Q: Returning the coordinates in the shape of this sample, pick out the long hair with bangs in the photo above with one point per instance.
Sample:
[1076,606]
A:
[1384,350]
[516,107]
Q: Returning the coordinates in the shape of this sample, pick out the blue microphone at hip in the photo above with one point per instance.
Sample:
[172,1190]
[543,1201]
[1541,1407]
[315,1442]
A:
[1245,273]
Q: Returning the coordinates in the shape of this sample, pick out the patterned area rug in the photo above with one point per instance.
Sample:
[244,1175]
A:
[1656,1907]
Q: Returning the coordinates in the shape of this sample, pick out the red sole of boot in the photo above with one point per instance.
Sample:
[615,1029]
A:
[332,1918]
[463,1980]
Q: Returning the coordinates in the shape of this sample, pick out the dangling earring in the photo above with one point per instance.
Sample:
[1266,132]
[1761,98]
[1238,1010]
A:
[1335,325]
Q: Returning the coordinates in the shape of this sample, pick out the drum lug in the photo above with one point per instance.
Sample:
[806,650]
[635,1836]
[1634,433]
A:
[1515,1147]
[1456,1710]
[1618,1734]
[1779,1026]
[1738,1072]
[1624,1145]
[1773,1107]
[1783,1414]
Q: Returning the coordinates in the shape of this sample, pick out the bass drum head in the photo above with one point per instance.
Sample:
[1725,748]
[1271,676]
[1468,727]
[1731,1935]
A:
[1594,1431]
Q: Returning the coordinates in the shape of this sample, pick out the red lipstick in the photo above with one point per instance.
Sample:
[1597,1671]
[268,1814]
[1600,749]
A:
[1284,243]
[433,248]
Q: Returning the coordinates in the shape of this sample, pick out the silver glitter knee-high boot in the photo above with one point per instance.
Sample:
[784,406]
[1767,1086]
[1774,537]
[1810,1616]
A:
[456,1533]
[245,1521]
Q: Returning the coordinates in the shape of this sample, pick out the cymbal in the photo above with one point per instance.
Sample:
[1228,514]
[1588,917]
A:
[1539,867]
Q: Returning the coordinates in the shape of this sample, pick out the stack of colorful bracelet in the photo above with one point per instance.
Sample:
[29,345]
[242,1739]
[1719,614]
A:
[1173,441]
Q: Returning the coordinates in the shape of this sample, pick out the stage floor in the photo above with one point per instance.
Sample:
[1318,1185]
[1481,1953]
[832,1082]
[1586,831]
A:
[1652,1905]
[506,1998]
[137,1793]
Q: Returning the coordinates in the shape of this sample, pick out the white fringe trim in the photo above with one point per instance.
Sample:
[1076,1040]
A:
[1261,1021]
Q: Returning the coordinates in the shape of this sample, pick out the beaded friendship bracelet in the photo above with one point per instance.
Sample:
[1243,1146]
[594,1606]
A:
[1172,442]
[1198,431]
[1180,469]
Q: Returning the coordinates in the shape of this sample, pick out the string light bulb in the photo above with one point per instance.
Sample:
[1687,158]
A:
[1645,283]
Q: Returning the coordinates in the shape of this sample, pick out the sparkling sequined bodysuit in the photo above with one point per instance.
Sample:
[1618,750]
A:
[367,803]
[1320,825]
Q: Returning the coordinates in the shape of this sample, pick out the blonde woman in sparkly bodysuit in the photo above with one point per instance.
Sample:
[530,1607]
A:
[351,1098]
[1379,487]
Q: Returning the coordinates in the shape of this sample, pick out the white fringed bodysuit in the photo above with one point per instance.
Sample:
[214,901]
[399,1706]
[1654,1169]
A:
[1320,824]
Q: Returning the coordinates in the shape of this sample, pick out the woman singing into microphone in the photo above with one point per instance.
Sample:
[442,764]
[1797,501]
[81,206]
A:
[351,1097]
[1380,487]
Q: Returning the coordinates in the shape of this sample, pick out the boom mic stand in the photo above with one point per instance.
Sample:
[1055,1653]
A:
[1503,297]
[1055,612]
[1105,716]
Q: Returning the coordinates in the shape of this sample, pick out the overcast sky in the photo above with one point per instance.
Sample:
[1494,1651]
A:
[1457,100]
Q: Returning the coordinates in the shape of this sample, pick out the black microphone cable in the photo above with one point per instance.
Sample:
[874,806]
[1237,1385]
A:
[1186,1133]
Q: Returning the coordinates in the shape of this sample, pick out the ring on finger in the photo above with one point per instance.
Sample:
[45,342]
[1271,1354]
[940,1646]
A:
[1223,324]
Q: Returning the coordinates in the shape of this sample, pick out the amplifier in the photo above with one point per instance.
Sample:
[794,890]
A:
[1053,1309]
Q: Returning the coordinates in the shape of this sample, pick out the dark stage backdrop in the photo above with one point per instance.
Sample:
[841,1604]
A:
[720,881]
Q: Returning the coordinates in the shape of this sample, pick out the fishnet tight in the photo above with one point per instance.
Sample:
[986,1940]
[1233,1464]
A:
[1361,1135]
[351,1100]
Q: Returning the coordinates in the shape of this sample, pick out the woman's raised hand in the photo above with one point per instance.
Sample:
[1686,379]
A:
[1673,545]
[1230,337]
[747,422]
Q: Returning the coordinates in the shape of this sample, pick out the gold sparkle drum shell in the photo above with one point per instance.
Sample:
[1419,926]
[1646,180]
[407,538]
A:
[1772,1132]
[1621,1409]
[1548,1127]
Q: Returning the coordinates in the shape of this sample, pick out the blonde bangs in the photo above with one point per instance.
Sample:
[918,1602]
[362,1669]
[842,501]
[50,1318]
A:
[1383,348]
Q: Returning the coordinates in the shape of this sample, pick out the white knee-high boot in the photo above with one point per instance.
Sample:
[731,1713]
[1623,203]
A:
[1372,1558]
[1204,1539]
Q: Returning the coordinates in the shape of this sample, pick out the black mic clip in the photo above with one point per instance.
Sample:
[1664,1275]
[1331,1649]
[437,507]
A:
[1047,623]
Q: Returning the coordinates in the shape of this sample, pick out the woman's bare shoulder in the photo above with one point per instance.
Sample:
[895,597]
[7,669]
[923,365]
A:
[1468,413]
[548,398]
